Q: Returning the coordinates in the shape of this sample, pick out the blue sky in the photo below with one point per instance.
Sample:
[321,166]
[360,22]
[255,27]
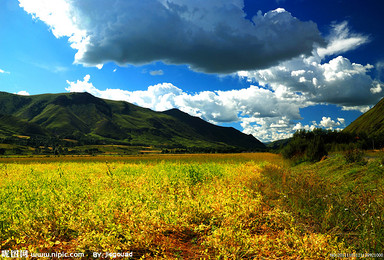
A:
[267,68]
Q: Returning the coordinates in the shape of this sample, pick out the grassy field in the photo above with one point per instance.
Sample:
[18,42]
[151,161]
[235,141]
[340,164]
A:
[214,206]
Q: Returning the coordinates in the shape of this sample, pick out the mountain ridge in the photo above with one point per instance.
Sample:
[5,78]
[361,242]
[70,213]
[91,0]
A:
[370,123]
[82,115]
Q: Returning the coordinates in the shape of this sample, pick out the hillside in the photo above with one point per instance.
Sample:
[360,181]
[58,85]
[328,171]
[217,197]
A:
[278,143]
[81,116]
[370,123]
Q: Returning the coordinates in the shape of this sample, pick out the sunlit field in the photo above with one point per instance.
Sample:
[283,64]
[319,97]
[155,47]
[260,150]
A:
[238,157]
[190,206]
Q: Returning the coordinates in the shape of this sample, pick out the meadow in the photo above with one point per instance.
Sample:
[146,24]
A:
[210,206]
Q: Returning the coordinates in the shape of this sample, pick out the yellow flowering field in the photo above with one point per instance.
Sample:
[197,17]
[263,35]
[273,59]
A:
[174,206]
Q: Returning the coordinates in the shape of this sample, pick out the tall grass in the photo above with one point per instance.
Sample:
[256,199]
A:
[334,197]
[156,209]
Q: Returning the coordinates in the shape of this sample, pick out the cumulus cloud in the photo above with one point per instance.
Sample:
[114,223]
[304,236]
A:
[22,93]
[266,129]
[61,19]
[210,36]
[300,126]
[325,77]
[376,88]
[326,122]
[83,86]
[338,81]
[260,111]
[158,97]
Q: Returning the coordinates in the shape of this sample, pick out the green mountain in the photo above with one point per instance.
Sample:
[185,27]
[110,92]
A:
[81,116]
[370,123]
[278,143]
[10,125]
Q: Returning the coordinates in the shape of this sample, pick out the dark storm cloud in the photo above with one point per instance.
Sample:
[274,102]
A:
[209,36]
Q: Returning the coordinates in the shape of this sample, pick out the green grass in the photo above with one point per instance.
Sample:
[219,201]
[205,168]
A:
[203,206]
[370,123]
[333,197]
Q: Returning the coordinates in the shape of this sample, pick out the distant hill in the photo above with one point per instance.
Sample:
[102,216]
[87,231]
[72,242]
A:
[370,123]
[278,143]
[81,116]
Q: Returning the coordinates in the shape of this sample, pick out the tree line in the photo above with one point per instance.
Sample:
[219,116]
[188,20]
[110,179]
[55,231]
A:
[314,145]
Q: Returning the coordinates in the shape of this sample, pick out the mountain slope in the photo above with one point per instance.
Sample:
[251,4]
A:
[79,115]
[370,123]
[228,135]
[10,125]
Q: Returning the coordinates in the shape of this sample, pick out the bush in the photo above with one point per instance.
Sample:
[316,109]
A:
[295,148]
[301,149]
[354,156]
[315,150]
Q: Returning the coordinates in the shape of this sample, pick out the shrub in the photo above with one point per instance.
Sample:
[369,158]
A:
[354,156]
[315,150]
[294,149]
[301,149]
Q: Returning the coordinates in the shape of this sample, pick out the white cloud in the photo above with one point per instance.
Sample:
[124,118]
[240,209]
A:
[83,86]
[300,126]
[377,88]
[156,72]
[338,81]
[257,109]
[310,80]
[362,109]
[211,36]
[261,128]
[22,93]
[341,120]
[4,72]
[328,123]
[61,18]
[342,40]
[261,112]
[158,97]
